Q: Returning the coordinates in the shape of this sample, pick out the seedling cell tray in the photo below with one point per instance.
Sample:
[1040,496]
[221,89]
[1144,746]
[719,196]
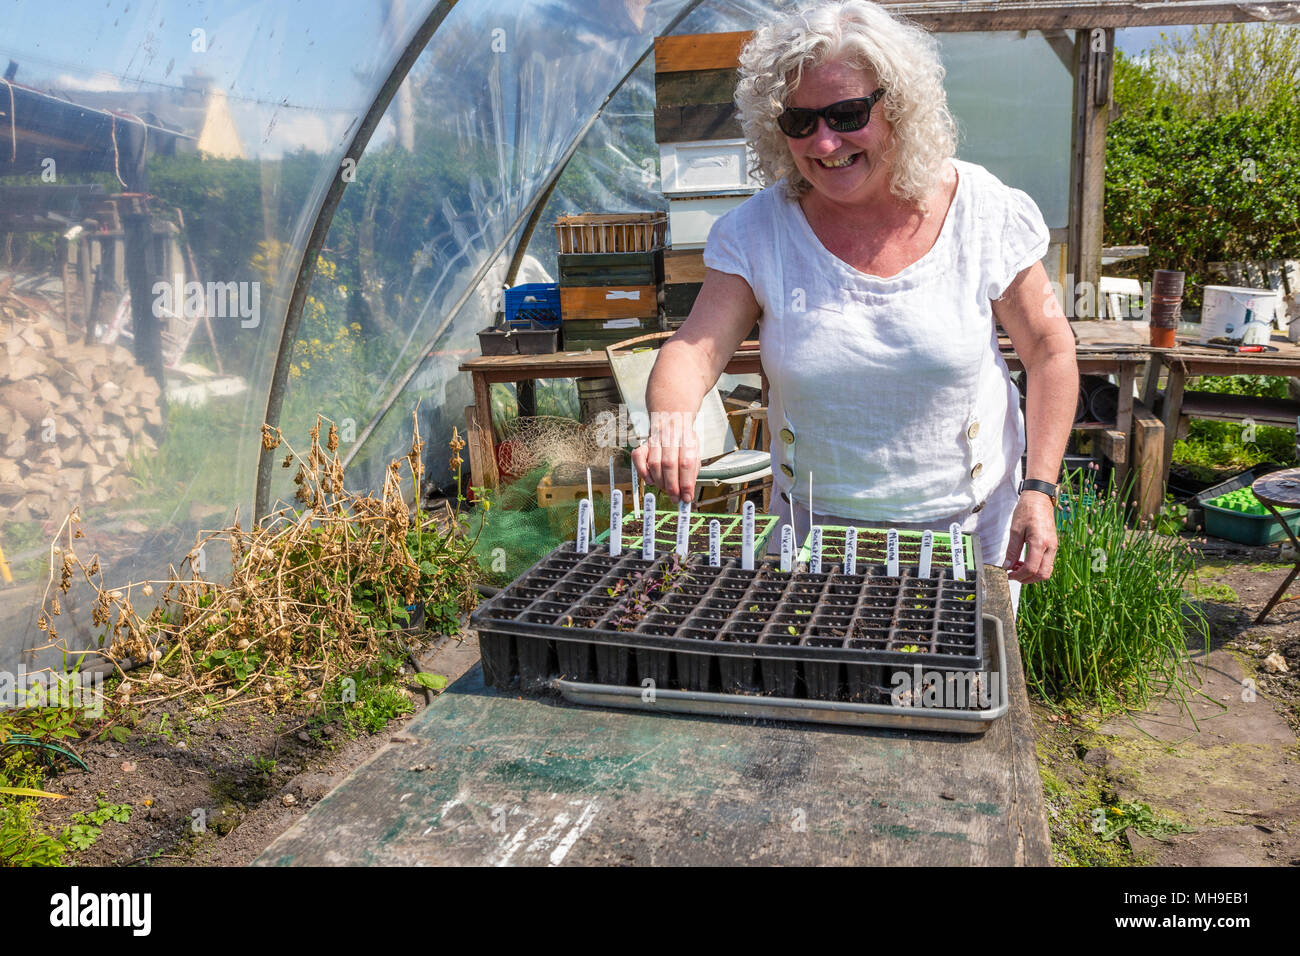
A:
[960,720]
[594,618]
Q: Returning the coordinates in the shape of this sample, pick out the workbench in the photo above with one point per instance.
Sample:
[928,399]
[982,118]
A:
[1188,361]
[483,777]
[487,370]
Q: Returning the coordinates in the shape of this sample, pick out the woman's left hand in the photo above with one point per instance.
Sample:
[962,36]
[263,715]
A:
[1033,527]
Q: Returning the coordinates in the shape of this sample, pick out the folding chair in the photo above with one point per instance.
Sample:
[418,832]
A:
[724,461]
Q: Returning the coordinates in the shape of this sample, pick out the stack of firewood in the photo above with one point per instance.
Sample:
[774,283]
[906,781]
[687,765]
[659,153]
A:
[72,416]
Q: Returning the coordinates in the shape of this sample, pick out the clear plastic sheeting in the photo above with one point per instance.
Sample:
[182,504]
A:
[144,411]
[496,104]
[183,151]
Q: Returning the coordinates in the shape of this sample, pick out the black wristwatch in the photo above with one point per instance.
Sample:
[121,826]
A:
[1033,484]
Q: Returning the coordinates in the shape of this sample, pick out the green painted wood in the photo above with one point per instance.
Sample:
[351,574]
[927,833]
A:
[679,298]
[600,260]
[609,276]
[679,124]
[482,777]
[695,86]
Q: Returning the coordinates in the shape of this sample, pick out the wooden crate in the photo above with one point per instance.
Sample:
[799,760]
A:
[612,268]
[611,232]
[596,334]
[699,51]
[679,298]
[683,265]
[609,302]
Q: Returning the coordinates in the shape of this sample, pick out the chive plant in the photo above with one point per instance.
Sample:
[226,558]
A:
[1111,624]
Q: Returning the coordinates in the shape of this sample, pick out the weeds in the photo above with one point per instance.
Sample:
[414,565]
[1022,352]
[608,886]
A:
[314,593]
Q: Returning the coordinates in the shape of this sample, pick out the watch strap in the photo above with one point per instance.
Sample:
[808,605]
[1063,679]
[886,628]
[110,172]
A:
[1034,484]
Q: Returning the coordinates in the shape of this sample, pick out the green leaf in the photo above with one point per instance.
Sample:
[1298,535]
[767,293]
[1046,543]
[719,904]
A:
[431,681]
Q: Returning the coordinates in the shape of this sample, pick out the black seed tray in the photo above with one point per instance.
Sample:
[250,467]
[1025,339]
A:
[822,636]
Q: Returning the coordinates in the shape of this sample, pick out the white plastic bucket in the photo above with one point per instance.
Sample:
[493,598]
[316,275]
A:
[1224,310]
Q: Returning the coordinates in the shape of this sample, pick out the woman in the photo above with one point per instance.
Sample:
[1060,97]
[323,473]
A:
[876,264]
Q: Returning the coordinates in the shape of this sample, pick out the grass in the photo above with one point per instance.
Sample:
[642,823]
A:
[1215,591]
[1110,626]
[1211,448]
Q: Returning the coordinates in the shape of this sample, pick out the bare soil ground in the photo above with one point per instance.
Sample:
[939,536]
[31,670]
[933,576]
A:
[216,792]
[1226,765]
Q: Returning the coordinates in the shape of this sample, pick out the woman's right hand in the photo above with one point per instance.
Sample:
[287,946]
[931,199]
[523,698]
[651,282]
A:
[688,365]
[670,458]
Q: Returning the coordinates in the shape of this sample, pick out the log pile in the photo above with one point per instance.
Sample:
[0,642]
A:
[72,415]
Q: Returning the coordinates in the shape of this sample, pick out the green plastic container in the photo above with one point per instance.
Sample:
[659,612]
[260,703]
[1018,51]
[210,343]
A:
[1257,527]
[730,528]
[869,552]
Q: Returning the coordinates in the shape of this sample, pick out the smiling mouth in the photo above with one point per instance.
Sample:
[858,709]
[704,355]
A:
[839,162]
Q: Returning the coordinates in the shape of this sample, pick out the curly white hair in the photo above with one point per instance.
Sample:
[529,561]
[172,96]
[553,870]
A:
[905,60]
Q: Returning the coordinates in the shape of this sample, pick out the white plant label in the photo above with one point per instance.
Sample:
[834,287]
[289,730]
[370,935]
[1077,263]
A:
[815,561]
[648,527]
[615,522]
[584,524]
[747,536]
[683,526]
[927,551]
[591,515]
[636,499]
[851,551]
[715,544]
[787,547]
[891,553]
[958,552]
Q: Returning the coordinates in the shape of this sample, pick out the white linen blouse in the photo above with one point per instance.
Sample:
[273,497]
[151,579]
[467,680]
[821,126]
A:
[890,391]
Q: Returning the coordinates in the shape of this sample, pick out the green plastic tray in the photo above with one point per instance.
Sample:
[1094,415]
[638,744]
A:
[666,532]
[1247,528]
[833,547]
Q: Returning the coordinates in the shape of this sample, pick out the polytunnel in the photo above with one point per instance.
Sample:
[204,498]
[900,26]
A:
[216,215]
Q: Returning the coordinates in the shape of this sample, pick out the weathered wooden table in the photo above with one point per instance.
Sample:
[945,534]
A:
[1189,360]
[1281,489]
[487,370]
[482,777]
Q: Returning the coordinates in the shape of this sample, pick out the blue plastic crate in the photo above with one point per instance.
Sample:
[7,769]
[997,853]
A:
[537,302]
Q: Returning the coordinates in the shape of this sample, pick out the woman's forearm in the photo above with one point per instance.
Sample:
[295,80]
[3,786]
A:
[1051,402]
[679,380]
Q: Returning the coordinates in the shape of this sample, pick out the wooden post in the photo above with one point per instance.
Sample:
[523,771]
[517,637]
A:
[1094,53]
[1148,461]
[482,463]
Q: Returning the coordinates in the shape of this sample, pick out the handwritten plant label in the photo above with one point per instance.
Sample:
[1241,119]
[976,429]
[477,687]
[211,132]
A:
[815,561]
[591,515]
[683,527]
[787,547]
[927,552]
[636,500]
[648,527]
[747,536]
[715,544]
[891,553]
[584,524]
[851,551]
[958,552]
[615,522]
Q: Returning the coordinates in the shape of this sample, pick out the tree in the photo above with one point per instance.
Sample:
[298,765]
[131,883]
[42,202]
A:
[1223,67]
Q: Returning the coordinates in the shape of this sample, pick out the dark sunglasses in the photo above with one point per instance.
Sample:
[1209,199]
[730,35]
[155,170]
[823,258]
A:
[842,117]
